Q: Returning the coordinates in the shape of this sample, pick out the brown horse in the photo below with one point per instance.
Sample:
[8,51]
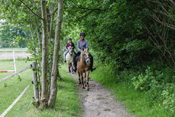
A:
[83,66]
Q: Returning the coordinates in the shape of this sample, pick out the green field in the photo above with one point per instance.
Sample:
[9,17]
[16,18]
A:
[67,103]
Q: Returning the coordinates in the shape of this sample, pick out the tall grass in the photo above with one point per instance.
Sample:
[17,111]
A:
[136,102]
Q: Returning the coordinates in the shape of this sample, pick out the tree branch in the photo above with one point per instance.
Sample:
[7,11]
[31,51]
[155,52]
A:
[31,10]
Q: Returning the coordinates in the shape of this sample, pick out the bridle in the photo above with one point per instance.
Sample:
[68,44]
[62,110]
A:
[71,53]
[87,59]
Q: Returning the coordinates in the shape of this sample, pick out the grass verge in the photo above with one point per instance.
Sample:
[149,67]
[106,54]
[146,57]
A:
[67,102]
[136,102]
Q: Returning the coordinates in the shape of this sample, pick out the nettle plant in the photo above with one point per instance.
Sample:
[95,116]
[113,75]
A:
[148,80]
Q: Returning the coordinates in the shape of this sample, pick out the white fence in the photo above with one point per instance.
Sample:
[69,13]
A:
[16,100]
[8,54]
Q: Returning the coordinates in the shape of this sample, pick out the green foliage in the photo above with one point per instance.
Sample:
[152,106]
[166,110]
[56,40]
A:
[168,97]
[19,77]
[12,36]
[115,30]
[5,84]
[147,81]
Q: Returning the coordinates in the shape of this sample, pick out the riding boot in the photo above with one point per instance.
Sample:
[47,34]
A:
[65,56]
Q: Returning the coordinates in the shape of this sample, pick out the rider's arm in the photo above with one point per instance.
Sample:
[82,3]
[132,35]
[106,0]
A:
[78,46]
[73,45]
[87,46]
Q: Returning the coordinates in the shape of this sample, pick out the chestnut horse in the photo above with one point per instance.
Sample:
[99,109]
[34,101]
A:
[83,66]
[69,58]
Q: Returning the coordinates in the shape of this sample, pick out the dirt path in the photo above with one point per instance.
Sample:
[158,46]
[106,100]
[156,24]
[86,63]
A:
[99,102]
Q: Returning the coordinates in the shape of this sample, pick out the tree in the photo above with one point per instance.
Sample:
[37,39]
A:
[44,63]
[54,74]
[26,13]
[162,16]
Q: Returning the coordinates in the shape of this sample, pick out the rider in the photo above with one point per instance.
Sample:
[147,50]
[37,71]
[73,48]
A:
[70,43]
[82,43]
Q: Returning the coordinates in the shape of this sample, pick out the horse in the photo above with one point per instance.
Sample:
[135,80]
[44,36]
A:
[69,58]
[83,67]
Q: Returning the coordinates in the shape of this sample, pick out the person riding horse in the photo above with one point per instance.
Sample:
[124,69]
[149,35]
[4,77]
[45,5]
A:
[82,44]
[70,43]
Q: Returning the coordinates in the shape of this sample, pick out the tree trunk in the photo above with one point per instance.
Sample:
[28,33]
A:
[38,34]
[44,93]
[50,37]
[40,48]
[54,73]
[35,84]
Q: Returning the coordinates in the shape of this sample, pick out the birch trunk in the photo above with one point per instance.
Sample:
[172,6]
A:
[40,48]
[44,93]
[54,73]
[38,34]
[35,85]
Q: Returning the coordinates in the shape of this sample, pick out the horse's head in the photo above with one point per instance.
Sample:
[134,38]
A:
[70,50]
[86,55]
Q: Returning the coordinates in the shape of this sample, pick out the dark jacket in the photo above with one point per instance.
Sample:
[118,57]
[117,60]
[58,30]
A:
[70,44]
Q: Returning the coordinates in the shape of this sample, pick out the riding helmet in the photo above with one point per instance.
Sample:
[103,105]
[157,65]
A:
[70,39]
[82,34]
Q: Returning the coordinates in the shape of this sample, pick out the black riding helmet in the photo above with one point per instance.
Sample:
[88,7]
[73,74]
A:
[70,39]
[82,34]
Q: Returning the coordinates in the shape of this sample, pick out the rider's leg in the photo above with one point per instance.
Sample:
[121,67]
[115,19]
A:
[75,60]
[65,55]
[74,52]
[92,61]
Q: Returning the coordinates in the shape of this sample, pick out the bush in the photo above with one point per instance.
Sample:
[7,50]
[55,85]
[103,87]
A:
[159,86]
[149,80]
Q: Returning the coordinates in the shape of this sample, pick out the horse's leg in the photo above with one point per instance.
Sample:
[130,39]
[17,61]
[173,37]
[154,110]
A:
[79,77]
[73,66]
[87,80]
[72,69]
[69,68]
[82,82]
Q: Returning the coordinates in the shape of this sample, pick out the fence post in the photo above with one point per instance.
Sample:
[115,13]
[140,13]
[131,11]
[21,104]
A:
[35,83]
[14,60]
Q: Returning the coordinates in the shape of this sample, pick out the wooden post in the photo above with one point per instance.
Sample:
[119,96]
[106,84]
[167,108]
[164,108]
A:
[14,61]
[35,84]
